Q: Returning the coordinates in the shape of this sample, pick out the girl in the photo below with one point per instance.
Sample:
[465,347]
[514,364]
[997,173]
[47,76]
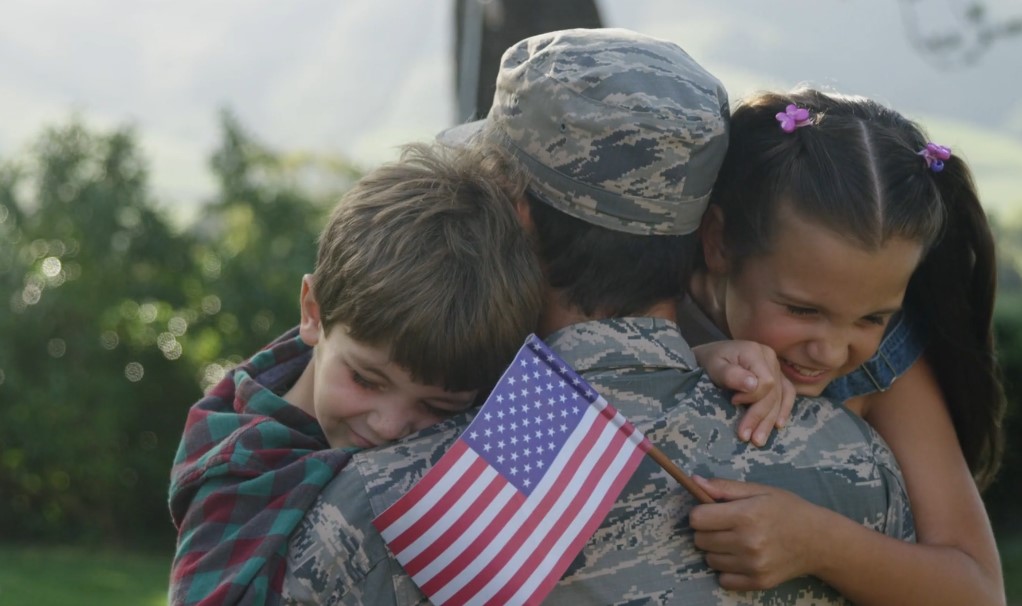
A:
[821,212]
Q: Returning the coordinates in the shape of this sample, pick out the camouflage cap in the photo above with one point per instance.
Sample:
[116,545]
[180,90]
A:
[615,128]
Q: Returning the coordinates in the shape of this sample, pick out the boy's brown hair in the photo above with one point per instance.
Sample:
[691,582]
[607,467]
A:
[425,256]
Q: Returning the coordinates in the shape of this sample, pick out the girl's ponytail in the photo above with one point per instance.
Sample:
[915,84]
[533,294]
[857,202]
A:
[954,288]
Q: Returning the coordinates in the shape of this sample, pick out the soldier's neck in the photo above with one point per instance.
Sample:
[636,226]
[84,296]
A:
[557,314]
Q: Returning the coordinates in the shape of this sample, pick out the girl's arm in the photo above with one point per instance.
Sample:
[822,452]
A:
[757,539]
[752,371]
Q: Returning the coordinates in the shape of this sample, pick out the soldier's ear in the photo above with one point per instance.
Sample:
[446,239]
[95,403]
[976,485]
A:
[711,235]
[309,328]
[524,211]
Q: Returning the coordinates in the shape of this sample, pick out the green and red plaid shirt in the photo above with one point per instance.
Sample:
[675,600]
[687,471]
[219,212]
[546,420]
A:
[248,468]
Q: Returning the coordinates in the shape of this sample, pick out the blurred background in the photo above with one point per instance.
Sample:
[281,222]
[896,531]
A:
[165,167]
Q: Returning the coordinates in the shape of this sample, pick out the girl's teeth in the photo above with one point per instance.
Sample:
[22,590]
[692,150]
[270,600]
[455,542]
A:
[805,371]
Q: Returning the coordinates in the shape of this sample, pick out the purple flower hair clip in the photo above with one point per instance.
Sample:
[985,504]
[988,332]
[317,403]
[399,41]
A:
[793,117]
[935,155]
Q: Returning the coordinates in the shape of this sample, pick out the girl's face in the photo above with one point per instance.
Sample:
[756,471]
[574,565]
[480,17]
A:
[818,299]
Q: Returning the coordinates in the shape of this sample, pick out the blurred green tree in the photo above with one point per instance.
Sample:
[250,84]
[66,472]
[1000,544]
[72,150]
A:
[112,322]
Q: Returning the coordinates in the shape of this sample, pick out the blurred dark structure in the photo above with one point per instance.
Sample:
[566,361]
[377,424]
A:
[484,29]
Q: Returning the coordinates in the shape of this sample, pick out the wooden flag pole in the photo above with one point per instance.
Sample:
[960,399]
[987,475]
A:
[688,483]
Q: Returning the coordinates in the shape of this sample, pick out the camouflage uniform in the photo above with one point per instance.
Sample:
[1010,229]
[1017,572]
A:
[615,128]
[643,552]
[625,132]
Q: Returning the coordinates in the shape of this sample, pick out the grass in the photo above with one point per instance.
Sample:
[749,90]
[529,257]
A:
[58,576]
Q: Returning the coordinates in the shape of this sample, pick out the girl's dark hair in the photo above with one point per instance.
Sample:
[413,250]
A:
[855,170]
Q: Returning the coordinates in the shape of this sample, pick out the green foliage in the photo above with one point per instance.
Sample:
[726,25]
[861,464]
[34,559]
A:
[113,323]
[62,576]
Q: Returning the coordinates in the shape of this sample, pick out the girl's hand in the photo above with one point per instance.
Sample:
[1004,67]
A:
[757,537]
[752,371]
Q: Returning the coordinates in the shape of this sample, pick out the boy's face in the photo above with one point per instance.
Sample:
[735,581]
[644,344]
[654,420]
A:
[362,399]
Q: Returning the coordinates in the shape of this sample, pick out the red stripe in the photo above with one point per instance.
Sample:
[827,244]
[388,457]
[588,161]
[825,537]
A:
[454,533]
[589,529]
[627,427]
[521,534]
[473,549]
[570,516]
[422,525]
[422,487]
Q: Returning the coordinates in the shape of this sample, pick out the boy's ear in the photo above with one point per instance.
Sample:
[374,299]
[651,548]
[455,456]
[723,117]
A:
[309,328]
[711,233]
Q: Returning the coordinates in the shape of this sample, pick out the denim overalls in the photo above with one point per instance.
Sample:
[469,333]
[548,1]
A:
[903,343]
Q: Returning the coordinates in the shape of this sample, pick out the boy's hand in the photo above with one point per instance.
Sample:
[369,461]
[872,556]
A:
[752,371]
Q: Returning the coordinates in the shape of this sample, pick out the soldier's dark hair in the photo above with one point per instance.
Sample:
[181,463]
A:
[600,270]
[856,170]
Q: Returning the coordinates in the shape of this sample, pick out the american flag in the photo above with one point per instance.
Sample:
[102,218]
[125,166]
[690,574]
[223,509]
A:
[503,513]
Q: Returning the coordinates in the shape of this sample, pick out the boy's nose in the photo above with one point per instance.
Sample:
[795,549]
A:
[392,421]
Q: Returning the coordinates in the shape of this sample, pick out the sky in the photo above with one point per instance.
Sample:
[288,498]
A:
[358,78]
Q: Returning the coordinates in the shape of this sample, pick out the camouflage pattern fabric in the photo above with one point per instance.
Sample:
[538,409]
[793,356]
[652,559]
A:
[615,128]
[643,553]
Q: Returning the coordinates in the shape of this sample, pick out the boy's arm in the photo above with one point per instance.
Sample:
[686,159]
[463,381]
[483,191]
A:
[237,507]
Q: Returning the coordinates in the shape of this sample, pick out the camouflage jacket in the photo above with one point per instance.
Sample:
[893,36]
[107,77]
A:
[643,553]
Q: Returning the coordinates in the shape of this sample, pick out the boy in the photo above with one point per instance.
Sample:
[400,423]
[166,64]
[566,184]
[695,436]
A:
[425,287]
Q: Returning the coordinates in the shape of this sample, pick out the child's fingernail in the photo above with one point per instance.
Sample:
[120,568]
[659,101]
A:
[746,434]
[761,438]
[751,383]
[780,423]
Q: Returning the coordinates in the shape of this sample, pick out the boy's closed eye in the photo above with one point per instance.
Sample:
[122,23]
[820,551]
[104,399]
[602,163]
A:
[797,310]
[358,379]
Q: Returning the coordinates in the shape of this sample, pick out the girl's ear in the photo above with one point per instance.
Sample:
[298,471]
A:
[711,232]
[309,328]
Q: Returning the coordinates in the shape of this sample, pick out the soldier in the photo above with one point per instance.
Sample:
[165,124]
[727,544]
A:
[620,137]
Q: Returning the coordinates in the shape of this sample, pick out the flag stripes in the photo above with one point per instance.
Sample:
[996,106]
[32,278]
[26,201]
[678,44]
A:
[467,536]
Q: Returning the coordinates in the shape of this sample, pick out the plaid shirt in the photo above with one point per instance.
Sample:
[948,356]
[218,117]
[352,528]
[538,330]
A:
[248,468]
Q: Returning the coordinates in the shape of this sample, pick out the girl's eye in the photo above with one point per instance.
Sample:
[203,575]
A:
[878,320]
[800,311]
[361,381]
